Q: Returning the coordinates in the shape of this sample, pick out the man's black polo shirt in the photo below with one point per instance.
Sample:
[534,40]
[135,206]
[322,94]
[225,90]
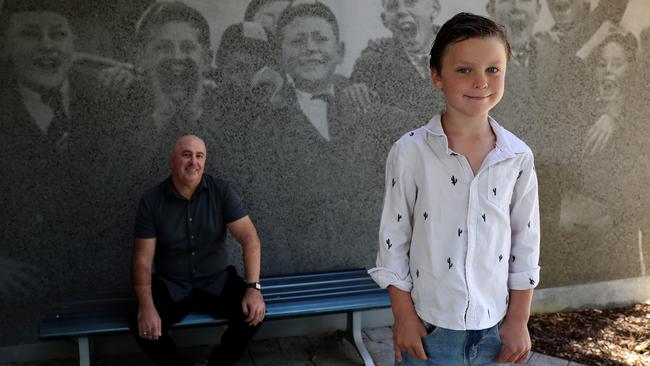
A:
[190,234]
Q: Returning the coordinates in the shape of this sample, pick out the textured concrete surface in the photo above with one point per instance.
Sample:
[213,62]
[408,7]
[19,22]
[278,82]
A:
[329,349]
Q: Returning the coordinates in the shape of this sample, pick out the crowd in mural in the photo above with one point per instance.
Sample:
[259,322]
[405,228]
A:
[84,131]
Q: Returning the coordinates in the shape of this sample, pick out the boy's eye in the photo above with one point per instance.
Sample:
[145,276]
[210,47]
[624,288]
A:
[492,70]
[463,70]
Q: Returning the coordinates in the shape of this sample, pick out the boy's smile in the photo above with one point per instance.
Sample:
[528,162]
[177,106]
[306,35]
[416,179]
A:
[472,76]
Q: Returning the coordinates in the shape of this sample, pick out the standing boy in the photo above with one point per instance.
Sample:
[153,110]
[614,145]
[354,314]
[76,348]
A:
[459,236]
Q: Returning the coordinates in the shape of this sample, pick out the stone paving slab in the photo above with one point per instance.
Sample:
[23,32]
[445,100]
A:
[328,349]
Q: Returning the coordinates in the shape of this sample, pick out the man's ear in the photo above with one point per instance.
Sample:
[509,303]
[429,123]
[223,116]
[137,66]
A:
[436,78]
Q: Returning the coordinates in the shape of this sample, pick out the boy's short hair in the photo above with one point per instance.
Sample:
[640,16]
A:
[253,7]
[11,7]
[626,39]
[463,26]
[163,12]
[306,9]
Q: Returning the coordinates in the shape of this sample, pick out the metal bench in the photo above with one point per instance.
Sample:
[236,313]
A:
[86,314]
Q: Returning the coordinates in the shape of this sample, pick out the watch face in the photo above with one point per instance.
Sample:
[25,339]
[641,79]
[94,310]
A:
[255,285]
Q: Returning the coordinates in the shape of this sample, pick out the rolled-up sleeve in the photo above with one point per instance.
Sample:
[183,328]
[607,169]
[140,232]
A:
[396,224]
[525,229]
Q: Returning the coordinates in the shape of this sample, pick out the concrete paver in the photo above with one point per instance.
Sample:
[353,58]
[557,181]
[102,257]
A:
[329,349]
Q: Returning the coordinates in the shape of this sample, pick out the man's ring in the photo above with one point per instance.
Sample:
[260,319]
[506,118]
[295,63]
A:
[144,333]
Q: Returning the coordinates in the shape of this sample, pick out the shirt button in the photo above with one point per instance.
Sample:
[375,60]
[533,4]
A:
[193,271]
[193,253]
[190,219]
[191,236]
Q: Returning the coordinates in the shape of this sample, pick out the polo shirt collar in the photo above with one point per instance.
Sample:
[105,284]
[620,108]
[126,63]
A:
[503,142]
[170,189]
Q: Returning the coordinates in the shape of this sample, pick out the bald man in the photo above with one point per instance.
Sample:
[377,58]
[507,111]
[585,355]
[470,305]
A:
[180,231]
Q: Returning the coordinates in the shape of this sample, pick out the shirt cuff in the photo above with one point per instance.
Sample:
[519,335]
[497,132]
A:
[386,277]
[523,280]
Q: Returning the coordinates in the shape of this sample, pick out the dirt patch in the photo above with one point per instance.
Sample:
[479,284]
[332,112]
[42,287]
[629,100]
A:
[608,337]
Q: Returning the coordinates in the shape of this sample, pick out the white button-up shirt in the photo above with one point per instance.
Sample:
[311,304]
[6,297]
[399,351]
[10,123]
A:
[456,241]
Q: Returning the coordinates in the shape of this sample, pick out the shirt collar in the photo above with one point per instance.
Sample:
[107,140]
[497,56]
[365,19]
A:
[503,142]
[170,189]
[309,96]
[40,112]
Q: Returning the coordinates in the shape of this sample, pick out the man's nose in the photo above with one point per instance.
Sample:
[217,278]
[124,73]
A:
[400,8]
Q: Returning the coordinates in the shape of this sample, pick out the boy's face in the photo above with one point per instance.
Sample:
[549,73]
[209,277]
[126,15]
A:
[175,59]
[268,14]
[566,13]
[519,18]
[310,52]
[40,46]
[611,70]
[411,22]
[472,76]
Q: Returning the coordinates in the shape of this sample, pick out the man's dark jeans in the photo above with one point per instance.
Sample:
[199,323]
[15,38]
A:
[227,305]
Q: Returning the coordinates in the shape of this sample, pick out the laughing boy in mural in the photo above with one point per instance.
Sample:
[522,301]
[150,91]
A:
[314,150]
[397,68]
[172,96]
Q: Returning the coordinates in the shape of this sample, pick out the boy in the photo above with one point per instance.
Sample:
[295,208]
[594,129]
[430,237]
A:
[459,235]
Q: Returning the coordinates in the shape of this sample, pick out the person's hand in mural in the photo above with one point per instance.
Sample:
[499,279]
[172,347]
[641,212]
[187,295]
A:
[599,134]
[360,96]
[605,29]
[15,277]
[266,84]
[117,78]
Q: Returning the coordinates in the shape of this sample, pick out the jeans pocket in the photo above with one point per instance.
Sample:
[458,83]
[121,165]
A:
[431,329]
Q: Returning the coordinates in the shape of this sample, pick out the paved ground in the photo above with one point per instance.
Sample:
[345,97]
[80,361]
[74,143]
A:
[330,349]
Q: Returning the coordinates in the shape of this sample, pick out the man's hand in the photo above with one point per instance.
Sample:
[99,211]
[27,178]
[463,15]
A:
[599,134]
[117,78]
[149,325]
[407,337]
[516,342]
[253,307]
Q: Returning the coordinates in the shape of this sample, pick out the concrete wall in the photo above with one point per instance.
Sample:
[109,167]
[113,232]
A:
[69,199]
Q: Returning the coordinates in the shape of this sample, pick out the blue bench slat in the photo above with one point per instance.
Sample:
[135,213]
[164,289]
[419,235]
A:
[105,312]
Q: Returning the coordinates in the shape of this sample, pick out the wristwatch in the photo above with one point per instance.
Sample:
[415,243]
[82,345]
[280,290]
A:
[255,285]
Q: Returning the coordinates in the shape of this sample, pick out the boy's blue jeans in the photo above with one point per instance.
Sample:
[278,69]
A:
[445,347]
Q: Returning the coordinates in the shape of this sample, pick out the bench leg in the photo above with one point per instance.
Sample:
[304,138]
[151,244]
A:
[353,334]
[84,351]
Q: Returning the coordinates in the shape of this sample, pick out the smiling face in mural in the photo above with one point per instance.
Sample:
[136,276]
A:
[611,70]
[40,46]
[311,51]
[519,18]
[566,13]
[411,22]
[175,60]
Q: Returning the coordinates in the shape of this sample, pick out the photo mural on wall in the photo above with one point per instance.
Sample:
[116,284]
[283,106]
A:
[93,94]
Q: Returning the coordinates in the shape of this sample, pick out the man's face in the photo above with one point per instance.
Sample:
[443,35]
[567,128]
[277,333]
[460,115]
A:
[566,13]
[268,14]
[519,18]
[175,60]
[310,52]
[188,161]
[40,46]
[411,22]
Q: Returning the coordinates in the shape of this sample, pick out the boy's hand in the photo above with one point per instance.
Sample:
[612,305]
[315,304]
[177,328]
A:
[408,331]
[516,342]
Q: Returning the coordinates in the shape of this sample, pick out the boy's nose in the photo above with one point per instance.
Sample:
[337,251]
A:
[45,41]
[480,82]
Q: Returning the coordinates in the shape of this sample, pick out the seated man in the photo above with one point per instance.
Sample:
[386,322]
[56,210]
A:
[181,230]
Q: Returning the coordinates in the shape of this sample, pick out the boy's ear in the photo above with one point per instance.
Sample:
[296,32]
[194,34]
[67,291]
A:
[340,52]
[436,78]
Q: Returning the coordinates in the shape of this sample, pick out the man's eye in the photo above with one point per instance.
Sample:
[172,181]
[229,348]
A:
[29,33]
[58,35]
